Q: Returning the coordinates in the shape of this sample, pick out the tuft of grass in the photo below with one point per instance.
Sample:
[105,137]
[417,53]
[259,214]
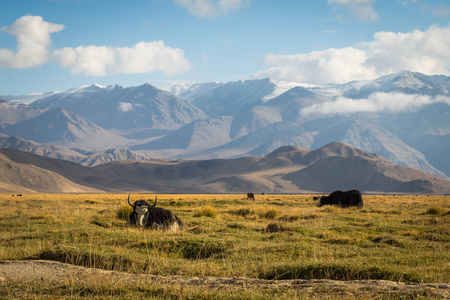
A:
[206,211]
[269,214]
[174,203]
[244,212]
[123,212]
[436,210]
[274,227]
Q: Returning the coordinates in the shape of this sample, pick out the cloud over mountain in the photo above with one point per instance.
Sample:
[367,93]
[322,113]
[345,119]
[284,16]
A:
[427,52]
[378,102]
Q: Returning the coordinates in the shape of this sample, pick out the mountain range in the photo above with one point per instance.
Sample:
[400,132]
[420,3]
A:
[403,117]
[289,169]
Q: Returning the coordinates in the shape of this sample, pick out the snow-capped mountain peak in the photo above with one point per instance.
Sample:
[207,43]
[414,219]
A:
[282,86]
[259,115]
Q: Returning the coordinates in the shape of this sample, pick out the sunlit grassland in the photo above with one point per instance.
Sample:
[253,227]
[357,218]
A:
[400,238]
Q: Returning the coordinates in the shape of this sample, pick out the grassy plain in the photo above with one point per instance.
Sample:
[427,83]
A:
[398,238]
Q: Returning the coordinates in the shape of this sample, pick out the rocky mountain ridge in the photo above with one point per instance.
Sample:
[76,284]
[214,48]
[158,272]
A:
[395,116]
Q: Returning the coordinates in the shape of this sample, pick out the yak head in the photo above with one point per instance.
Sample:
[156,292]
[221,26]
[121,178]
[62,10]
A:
[321,200]
[141,208]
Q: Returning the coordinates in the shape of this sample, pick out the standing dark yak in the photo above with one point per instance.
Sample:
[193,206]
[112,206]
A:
[343,199]
[251,196]
[151,217]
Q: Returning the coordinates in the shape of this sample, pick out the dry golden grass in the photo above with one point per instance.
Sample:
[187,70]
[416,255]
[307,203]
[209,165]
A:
[400,238]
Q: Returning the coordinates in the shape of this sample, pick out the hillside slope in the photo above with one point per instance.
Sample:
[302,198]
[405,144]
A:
[17,177]
[286,170]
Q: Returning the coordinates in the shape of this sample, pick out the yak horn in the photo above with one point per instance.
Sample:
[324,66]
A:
[129,201]
[156,200]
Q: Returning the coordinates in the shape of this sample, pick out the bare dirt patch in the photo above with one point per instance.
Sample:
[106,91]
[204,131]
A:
[56,273]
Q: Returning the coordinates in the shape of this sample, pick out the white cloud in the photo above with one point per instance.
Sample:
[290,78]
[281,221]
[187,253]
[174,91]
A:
[378,102]
[211,8]
[125,106]
[361,9]
[319,67]
[33,49]
[420,51]
[33,42]
[144,57]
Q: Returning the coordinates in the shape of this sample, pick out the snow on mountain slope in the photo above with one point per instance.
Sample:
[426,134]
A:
[189,92]
[232,97]
[229,98]
[282,86]
[11,113]
[28,98]
[114,107]
[394,112]
[403,82]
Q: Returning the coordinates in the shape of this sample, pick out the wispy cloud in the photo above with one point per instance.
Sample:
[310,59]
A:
[421,51]
[33,42]
[441,11]
[211,8]
[360,9]
[378,102]
[33,49]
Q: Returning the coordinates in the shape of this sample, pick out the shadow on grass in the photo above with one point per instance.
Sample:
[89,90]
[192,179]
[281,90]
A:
[189,248]
[334,272]
[90,260]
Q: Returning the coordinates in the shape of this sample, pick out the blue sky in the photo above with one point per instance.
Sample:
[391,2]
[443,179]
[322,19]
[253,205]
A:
[48,45]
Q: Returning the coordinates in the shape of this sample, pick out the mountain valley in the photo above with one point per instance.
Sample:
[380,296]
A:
[403,117]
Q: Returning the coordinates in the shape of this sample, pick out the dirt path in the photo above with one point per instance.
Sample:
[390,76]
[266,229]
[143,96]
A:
[51,272]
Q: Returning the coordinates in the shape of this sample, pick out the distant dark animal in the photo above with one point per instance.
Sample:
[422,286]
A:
[251,196]
[316,198]
[19,195]
[151,217]
[343,199]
